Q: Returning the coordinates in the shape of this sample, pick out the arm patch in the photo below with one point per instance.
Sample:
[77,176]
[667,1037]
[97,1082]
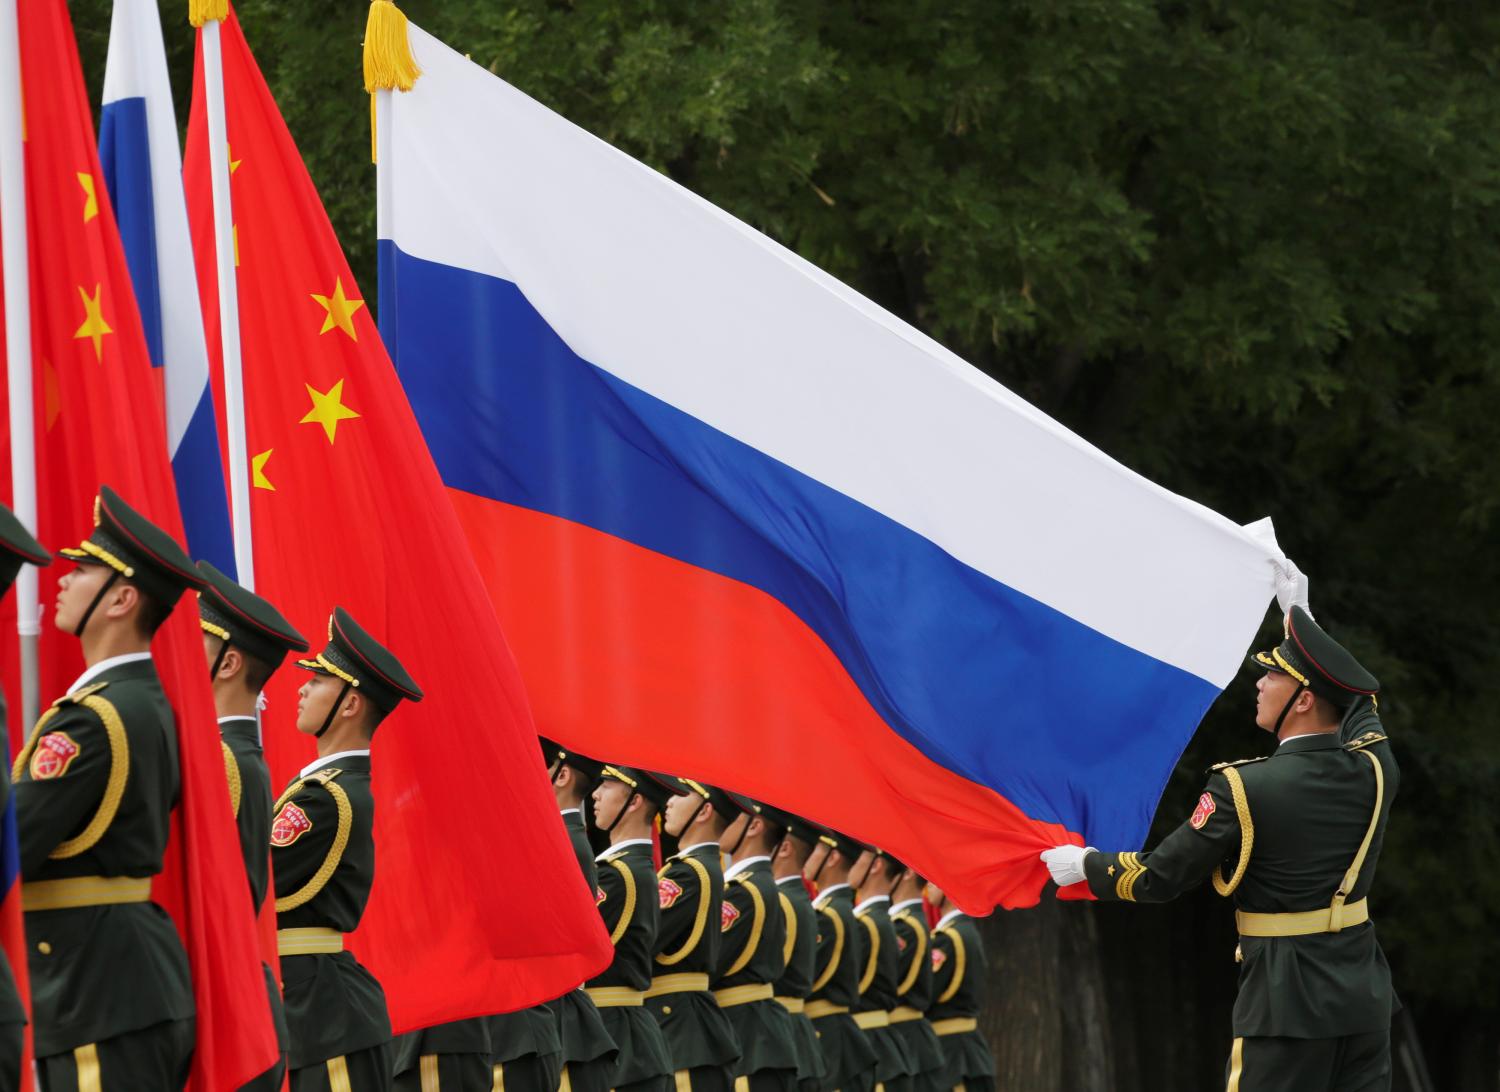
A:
[54,753]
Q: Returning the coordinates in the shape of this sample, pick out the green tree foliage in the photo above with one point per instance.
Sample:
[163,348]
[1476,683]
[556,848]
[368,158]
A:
[1250,249]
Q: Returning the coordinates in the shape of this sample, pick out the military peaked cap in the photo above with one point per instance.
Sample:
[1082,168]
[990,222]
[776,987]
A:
[722,802]
[245,620]
[17,548]
[137,549]
[363,663]
[556,752]
[785,821]
[639,782]
[1316,661]
[849,848]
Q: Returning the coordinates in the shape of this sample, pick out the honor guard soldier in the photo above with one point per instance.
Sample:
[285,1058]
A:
[246,640]
[588,1053]
[914,979]
[111,997]
[873,877]
[788,860]
[959,973]
[1294,838]
[17,548]
[848,1058]
[691,889]
[626,804]
[323,862]
[754,950]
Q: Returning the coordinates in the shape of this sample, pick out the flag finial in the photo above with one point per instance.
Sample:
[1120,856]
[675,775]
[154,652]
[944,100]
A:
[389,65]
[203,11]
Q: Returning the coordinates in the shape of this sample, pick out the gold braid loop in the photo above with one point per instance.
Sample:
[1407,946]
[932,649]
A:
[960,958]
[114,787]
[1224,886]
[330,864]
[36,734]
[838,949]
[920,932]
[756,928]
[699,919]
[625,915]
[232,773]
[874,931]
[791,929]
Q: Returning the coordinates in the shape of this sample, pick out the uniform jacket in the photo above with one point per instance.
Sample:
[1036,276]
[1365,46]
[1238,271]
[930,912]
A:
[95,787]
[839,959]
[914,985]
[796,980]
[625,893]
[323,863]
[11,1011]
[959,974]
[878,980]
[580,1029]
[1294,832]
[753,953]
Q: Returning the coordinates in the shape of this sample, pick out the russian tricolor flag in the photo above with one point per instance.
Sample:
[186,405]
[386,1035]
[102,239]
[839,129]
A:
[142,164]
[742,524]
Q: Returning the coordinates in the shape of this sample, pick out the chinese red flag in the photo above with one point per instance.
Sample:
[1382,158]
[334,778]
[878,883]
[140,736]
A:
[98,419]
[478,905]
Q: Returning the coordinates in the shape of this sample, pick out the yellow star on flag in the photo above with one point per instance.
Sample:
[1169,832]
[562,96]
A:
[258,470]
[234,164]
[328,409]
[94,325]
[90,198]
[340,310]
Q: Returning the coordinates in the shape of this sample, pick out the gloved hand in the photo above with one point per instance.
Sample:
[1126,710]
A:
[1291,586]
[1066,863]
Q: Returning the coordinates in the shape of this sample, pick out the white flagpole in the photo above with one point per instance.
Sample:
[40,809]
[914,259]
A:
[229,304]
[18,343]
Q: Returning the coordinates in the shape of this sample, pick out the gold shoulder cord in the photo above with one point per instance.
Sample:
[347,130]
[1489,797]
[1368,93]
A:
[699,919]
[232,772]
[1224,886]
[628,911]
[119,770]
[916,964]
[838,949]
[756,928]
[960,958]
[874,931]
[320,878]
[791,929]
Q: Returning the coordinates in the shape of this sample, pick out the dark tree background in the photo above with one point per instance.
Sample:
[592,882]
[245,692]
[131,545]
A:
[1250,249]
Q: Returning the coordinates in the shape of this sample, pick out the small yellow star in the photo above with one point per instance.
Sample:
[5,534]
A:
[90,197]
[94,325]
[258,470]
[340,310]
[234,164]
[328,409]
[1110,871]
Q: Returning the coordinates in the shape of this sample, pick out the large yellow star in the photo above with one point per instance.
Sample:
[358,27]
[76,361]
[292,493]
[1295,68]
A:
[94,325]
[328,409]
[340,310]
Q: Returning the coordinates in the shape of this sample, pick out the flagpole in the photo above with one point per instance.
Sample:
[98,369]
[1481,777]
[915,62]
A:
[229,300]
[18,343]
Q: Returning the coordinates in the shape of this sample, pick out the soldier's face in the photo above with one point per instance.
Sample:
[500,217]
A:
[1272,693]
[75,591]
[859,875]
[609,798]
[815,860]
[314,700]
[680,812]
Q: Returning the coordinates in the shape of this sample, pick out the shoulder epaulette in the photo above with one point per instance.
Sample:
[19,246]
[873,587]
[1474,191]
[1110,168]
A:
[1236,762]
[325,775]
[1365,740]
[78,695]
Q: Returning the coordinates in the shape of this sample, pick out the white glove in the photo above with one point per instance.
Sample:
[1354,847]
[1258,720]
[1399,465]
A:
[1291,586]
[1066,863]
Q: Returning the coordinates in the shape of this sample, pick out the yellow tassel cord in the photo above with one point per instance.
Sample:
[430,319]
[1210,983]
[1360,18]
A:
[202,11]
[389,65]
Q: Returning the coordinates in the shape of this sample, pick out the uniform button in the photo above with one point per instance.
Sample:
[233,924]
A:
[44,948]
[666,1010]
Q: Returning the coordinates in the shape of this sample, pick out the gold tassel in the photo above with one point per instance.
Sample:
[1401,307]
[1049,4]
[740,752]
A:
[202,11]
[389,65]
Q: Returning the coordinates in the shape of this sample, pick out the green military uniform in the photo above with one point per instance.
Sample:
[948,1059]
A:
[17,548]
[587,1051]
[914,991]
[241,619]
[627,882]
[95,786]
[879,977]
[848,1059]
[796,980]
[752,957]
[1298,834]
[690,887]
[959,973]
[453,1057]
[323,862]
